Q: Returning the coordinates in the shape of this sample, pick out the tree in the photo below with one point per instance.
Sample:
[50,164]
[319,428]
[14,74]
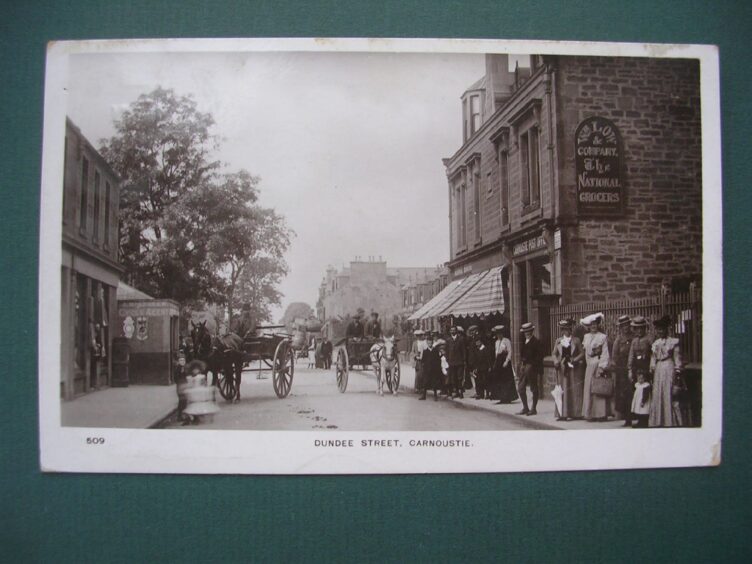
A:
[294,311]
[161,150]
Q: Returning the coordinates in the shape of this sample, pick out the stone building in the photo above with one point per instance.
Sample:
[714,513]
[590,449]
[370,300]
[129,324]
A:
[580,179]
[368,285]
[90,270]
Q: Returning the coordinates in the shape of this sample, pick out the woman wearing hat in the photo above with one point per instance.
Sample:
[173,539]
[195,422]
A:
[623,387]
[502,386]
[595,343]
[568,356]
[666,366]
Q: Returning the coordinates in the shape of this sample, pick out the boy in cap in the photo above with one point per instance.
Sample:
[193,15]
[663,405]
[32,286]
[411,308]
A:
[531,368]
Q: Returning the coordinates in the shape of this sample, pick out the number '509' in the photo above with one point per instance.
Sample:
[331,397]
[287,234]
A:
[94,440]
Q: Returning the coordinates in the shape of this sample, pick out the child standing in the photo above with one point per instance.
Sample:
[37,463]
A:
[201,399]
[641,402]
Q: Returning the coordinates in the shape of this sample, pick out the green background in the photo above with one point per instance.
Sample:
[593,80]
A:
[701,515]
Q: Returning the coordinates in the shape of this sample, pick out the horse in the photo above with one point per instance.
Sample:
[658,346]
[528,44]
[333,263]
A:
[383,359]
[222,354]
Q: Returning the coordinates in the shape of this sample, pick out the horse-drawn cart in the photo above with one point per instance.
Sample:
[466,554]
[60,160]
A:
[364,353]
[272,351]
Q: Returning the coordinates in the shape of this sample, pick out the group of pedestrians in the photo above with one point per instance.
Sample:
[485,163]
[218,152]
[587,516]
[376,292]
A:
[635,378]
[465,360]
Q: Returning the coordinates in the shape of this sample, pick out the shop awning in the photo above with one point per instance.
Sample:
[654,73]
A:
[463,286]
[438,298]
[483,298]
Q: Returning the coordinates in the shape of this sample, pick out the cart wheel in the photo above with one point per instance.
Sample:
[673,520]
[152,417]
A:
[283,369]
[394,378]
[226,385]
[341,369]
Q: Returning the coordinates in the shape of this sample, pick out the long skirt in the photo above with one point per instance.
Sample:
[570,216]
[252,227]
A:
[623,391]
[593,407]
[418,376]
[664,411]
[572,382]
[503,387]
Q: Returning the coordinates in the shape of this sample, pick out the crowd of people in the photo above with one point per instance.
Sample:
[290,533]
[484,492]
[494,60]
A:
[634,378]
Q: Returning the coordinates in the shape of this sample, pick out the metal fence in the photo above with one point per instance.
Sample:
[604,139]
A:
[685,310]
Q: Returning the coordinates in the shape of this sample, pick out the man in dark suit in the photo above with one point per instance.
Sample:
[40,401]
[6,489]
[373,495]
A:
[531,367]
[355,328]
[456,356]
[373,329]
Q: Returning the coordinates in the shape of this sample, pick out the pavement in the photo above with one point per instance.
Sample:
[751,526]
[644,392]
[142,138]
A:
[545,417]
[134,407]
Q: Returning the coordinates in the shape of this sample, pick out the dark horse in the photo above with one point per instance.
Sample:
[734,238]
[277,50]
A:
[222,354]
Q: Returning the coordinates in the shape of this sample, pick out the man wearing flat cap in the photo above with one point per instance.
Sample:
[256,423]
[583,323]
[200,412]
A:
[531,368]
[638,361]
[619,367]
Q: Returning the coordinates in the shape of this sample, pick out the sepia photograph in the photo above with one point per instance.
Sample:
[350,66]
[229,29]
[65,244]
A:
[364,256]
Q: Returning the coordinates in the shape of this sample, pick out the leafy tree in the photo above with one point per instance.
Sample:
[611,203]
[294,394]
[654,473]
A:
[294,311]
[161,150]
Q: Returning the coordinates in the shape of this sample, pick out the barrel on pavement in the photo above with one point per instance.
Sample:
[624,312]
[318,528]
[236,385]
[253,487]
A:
[121,355]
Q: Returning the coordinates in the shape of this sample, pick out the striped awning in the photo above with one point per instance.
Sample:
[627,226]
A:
[463,286]
[485,297]
[438,298]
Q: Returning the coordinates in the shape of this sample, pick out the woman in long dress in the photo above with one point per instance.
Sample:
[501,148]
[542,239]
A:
[568,356]
[595,343]
[503,388]
[666,366]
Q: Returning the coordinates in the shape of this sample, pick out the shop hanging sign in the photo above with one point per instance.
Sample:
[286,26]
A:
[598,164]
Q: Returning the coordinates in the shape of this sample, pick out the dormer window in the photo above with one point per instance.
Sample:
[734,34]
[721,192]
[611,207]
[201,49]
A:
[472,109]
[474,113]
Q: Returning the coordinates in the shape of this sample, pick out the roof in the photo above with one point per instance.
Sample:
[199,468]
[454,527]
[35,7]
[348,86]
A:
[486,297]
[479,84]
[126,292]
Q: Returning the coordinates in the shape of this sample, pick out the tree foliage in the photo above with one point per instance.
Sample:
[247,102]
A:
[294,311]
[190,231]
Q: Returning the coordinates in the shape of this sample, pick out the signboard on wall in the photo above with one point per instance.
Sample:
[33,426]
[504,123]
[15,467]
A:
[598,166]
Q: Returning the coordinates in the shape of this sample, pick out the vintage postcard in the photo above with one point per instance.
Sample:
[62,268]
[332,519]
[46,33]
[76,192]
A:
[326,256]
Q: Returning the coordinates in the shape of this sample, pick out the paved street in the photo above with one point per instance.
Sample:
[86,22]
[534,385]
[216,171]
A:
[315,403]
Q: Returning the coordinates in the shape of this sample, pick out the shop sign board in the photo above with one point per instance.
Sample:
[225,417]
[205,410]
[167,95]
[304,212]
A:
[598,166]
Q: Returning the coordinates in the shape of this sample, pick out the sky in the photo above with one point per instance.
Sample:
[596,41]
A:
[348,145]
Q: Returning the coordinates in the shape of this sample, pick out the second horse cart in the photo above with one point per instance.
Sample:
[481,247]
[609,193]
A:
[352,352]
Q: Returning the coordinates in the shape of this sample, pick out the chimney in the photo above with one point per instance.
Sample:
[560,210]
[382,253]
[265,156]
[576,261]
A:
[499,82]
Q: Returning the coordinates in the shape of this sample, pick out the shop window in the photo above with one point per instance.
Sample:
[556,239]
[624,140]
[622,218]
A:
[541,271]
[530,168]
[84,194]
[97,180]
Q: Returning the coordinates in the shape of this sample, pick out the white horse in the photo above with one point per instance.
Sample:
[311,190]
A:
[383,359]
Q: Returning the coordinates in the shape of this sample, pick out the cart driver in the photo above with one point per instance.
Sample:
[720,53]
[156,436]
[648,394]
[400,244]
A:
[355,328]
[373,329]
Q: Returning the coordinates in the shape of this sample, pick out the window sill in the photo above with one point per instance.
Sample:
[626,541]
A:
[460,251]
[504,230]
[478,243]
[531,212]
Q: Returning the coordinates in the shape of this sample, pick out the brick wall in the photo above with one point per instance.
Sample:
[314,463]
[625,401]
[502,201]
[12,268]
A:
[655,103]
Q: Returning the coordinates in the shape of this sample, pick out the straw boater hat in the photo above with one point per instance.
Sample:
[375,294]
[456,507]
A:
[527,328]
[639,321]
[497,329]
[472,328]
[623,320]
[419,332]
[565,324]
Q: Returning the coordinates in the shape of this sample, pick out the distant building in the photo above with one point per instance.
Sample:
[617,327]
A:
[578,180]
[369,285]
[90,268]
